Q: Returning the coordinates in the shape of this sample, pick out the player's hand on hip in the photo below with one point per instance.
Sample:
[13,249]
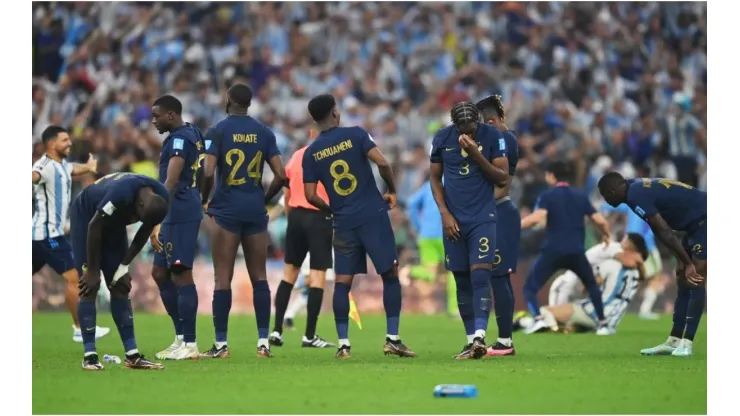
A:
[88,283]
[452,230]
[467,143]
[391,199]
[92,164]
[692,276]
[154,239]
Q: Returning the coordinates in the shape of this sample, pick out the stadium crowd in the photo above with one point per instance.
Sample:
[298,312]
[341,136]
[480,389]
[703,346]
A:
[604,85]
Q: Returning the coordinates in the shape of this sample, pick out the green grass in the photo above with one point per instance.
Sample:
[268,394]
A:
[552,373]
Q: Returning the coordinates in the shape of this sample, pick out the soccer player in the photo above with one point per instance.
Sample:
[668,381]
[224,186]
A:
[618,269]
[667,206]
[472,158]
[52,175]
[309,233]
[100,215]
[427,222]
[507,231]
[239,146]
[653,265]
[175,242]
[564,209]
[339,158]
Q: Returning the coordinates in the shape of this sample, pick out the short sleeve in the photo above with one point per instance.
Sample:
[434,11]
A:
[272,149]
[498,145]
[641,201]
[435,154]
[212,141]
[46,173]
[588,207]
[367,141]
[309,173]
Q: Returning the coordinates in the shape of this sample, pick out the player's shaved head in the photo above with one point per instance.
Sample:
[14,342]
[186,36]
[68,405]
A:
[640,245]
[613,187]
[240,94]
[152,208]
[321,106]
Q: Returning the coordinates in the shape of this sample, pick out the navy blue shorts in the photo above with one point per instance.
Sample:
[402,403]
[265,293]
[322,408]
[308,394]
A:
[56,252]
[508,230]
[696,243]
[242,228]
[180,242]
[546,264]
[476,245]
[374,238]
[112,248]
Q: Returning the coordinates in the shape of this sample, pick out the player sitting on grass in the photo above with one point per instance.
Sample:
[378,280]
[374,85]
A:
[618,269]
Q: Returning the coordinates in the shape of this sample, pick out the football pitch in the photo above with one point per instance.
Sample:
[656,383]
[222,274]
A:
[551,374]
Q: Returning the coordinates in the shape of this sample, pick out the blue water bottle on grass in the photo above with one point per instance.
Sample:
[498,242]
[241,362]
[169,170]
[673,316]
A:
[456,390]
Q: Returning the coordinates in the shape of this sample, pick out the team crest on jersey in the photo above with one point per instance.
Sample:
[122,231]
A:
[465,154]
[696,249]
[198,145]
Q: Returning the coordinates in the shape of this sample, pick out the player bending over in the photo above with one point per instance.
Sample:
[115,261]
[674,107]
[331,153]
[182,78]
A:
[52,175]
[670,205]
[339,158]
[239,146]
[175,243]
[508,231]
[471,156]
[100,215]
[564,208]
[618,269]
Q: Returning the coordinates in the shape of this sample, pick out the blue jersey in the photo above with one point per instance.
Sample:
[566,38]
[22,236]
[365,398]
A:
[241,145]
[115,195]
[512,150]
[424,214]
[681,206]
[566,208]
[186,142]
[338,159]
[635,224]
[468,194]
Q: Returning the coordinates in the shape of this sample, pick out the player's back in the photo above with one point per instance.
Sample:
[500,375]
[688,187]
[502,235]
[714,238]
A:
[681,206]
[115,194]
[241,145]
[468,194]
[186,142]
[338,159]
[566,208]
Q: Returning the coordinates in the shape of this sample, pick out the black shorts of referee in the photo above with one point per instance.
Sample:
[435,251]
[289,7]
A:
[309,231]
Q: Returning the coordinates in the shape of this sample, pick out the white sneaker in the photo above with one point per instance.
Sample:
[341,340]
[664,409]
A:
[685,349]
[539,325]
[186,352]
[665,348]
[100,332]
[604,330]
[167,353]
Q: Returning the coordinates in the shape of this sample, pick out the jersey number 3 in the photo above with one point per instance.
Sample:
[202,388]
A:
[343,173]
[235,158]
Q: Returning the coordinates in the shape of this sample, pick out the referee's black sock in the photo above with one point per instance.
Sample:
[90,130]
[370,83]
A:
[315,299]
[282,297]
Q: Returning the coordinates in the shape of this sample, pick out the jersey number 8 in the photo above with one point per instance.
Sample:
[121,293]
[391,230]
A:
[253,169]
[344,174]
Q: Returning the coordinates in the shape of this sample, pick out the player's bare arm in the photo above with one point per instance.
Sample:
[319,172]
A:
[496,172]
[285,207]
[209,173]
[452,230]
[82,168]
[174,169]
[313,198]
[666,236]
[36,177]
[278,180]
[537,216]
[386,172]
[603,225]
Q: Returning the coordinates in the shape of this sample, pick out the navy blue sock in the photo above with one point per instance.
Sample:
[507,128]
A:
[221,309]
[680,309]
[187,303]
[530,295]
[465,301]
[503,304]
[123,316]
[87,314]
[392,303]
[513,298]
[480,279]
[697,301]
[340,303]
[261,300]
[168,293]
